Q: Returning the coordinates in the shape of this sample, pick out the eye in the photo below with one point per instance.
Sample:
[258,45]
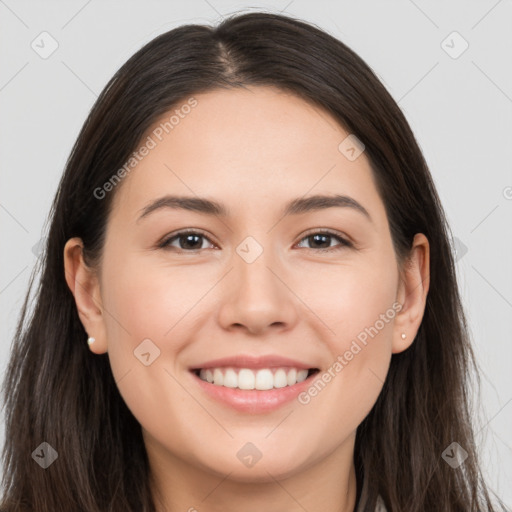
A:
[192,241]
[188,241]
[325,238]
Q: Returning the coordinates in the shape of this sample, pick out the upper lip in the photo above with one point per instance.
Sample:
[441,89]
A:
[249,361]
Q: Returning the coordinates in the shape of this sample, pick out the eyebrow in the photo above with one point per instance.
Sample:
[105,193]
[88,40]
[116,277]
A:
[294,207]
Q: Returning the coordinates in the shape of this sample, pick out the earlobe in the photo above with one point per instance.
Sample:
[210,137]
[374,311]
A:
[412,294]
[84,285]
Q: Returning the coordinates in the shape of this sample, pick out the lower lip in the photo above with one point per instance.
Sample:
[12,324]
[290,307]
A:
[254,400]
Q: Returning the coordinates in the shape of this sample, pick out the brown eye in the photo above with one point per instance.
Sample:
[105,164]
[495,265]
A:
[192,241]
[188,241]
[324,239]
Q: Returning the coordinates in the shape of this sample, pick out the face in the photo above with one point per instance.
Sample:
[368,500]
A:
[314,288]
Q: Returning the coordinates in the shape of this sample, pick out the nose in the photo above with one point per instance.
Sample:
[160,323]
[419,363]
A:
[256,297]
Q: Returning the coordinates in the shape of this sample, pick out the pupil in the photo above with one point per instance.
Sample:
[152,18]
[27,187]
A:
[187,239]
[316,237]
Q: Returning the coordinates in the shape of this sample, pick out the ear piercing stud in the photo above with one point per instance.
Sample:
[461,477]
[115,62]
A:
[91,340]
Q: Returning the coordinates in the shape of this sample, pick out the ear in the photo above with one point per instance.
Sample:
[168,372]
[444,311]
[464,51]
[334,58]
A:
[84,285]
[412,293]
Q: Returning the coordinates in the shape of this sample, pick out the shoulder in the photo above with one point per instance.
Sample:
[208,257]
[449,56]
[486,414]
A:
[380,507]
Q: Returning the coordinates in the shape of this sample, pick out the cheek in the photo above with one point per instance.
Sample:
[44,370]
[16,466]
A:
[145,306]
[350,299]
[154,306]
[148,298]
[357,306]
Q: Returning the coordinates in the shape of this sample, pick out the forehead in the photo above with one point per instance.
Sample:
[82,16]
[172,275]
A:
[249,147]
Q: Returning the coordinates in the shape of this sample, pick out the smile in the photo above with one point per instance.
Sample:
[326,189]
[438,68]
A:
[239,388]
[248,379]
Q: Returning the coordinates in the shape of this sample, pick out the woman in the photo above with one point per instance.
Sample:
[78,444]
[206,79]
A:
[231,363]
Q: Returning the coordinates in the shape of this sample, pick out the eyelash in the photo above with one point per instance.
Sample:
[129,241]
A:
[164,244]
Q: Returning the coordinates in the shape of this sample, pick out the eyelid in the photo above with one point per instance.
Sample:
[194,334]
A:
[326,231]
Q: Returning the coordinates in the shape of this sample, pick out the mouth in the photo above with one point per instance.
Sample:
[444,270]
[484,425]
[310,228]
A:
[253,390]
[260,379]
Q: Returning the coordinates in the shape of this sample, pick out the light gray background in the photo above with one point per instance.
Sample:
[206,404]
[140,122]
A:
[459,108]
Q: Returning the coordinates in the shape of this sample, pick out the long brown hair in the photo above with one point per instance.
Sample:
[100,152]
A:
[56,391]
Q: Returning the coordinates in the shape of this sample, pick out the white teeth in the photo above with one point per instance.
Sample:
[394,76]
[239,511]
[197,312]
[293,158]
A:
[218,377]
[246,378]
[280,379]
[230,379]
[291,378]
[264,380]
[301,375]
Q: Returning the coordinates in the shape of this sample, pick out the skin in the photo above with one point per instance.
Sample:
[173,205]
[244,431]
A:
[252,149]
